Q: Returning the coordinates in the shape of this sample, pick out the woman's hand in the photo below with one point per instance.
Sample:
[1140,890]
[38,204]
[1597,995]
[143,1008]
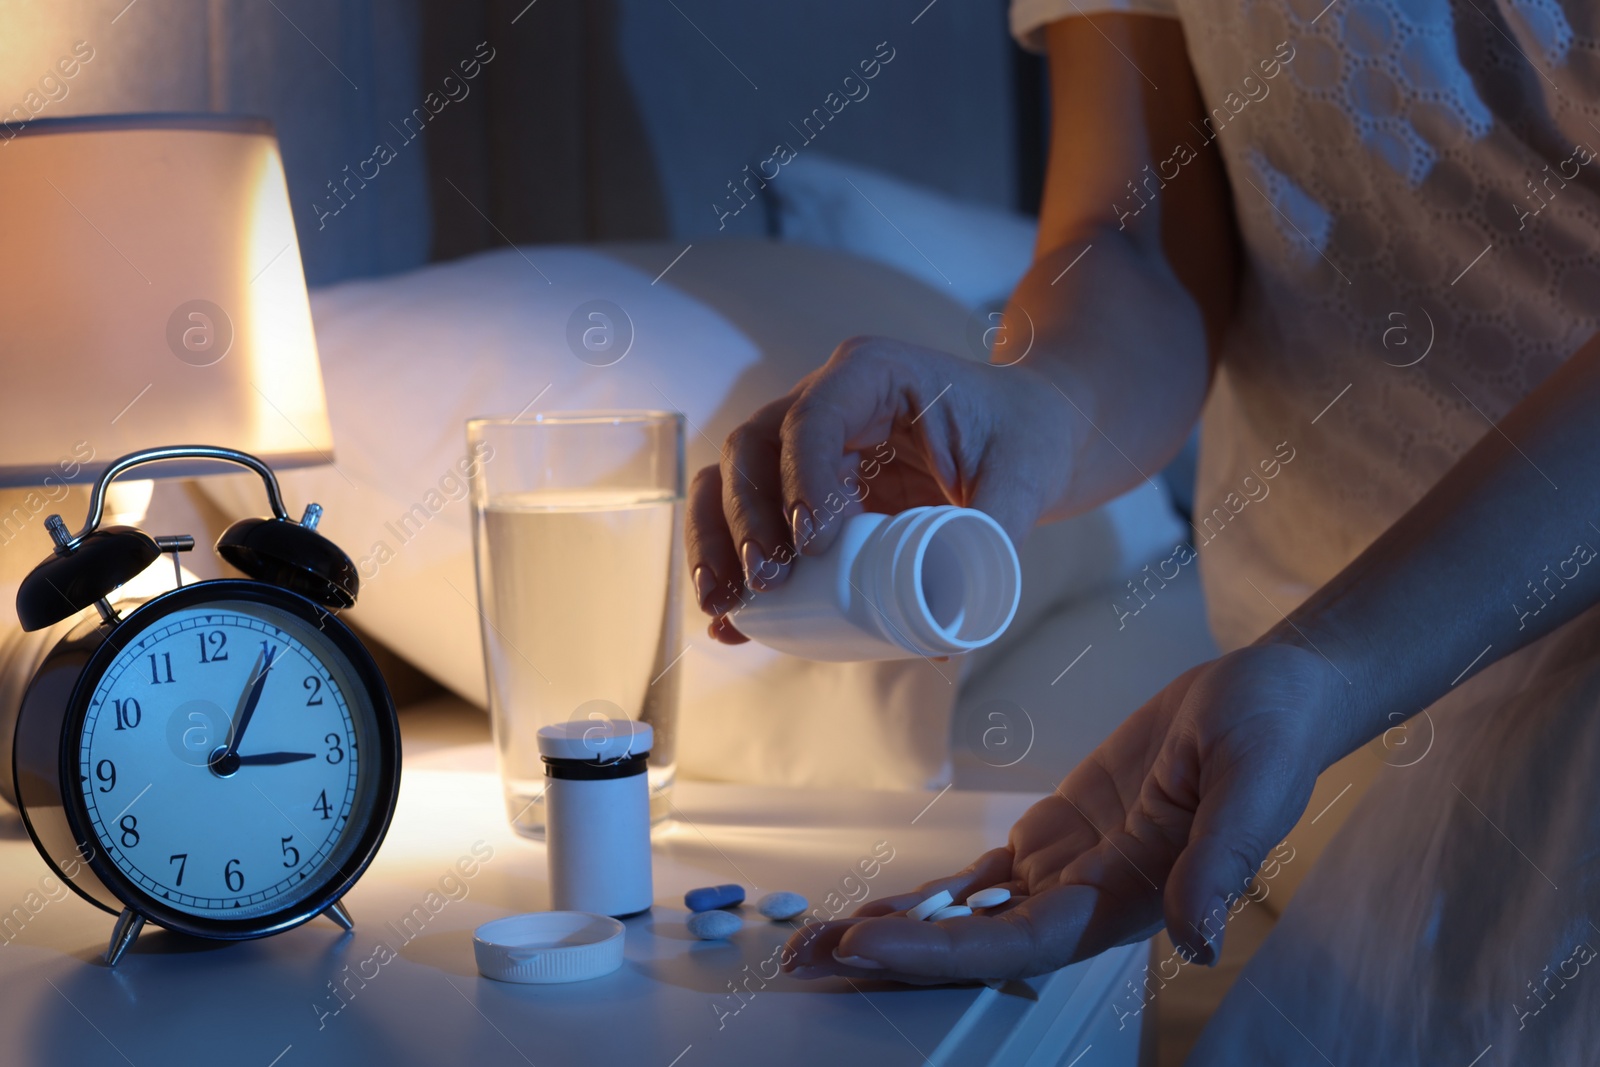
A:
[1124,334]
[883,426]
[1167,820]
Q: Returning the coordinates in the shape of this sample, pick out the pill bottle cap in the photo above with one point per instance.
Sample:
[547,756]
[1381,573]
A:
[595,740]
[546,947]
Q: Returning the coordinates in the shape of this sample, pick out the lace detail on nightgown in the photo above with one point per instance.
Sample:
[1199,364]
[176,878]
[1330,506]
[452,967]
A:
[1420,222]
[1303,224]
[1411,182]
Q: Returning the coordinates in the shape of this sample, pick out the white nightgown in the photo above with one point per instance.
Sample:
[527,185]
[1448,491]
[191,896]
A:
[1415,184]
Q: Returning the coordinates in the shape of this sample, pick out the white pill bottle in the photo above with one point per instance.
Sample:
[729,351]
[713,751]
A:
[597,815]
[930,581]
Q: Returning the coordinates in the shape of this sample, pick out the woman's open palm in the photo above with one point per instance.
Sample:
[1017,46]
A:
[1166,820]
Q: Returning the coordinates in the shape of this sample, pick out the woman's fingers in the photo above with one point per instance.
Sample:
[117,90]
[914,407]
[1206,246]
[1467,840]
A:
[1042,933]
[735,538]
[1047,930]
[792,472]
[991,868]
[813,945]
[817,949]
[714,572]
[723,630]
[1240,817]
[1246,781]
[752,497]
[849,404]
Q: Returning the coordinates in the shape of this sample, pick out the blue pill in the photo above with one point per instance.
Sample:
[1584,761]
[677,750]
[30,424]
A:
[714,925]
[709,897]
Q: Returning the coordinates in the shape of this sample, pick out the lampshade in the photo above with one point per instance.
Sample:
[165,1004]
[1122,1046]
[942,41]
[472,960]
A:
[151,293]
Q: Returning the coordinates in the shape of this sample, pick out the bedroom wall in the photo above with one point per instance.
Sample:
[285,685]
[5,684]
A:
[629,117]
[719,83]
[330,75]
[607,119]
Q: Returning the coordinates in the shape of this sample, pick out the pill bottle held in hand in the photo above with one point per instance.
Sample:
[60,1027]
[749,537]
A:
[930,581]
[597,815]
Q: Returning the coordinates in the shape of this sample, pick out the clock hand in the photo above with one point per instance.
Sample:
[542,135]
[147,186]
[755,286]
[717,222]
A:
[251,699]
[273,759]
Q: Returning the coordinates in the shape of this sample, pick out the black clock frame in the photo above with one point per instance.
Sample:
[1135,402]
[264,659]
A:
[49,735]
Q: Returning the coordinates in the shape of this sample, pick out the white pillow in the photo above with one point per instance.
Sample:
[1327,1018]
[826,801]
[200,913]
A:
[408,358]
[973,252]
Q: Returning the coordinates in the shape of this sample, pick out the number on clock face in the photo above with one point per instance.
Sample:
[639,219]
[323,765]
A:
[205,834]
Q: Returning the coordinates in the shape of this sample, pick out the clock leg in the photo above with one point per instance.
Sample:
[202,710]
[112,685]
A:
[338,913]
[129,923]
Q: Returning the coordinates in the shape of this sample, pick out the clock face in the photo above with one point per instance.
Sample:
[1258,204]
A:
[228,760]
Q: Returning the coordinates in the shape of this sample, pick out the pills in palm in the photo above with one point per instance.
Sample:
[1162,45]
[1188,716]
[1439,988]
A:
[941,899]
[713,896]
[954,911]
[992,897]
[781,905]
[714,925]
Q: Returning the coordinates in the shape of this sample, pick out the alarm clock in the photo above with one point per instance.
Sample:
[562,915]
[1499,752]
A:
[223,759]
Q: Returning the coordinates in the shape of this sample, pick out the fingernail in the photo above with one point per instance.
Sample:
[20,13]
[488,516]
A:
[1210,929]
[800,523]
[705,583]
[722,630]
[860,962]
[753,561]
[1213,950]
[806,971]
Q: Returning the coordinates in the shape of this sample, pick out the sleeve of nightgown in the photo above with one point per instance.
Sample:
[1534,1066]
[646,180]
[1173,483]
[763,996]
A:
[1029,17]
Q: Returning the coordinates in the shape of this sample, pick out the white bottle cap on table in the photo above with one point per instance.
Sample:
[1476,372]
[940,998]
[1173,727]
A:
[547,947]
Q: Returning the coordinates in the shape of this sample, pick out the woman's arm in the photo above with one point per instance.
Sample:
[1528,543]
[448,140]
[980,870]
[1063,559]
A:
[1500,551]
[1127,303]
[1170,817]
[1119,345]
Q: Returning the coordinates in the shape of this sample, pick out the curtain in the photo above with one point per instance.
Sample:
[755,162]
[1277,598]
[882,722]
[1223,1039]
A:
[546,143]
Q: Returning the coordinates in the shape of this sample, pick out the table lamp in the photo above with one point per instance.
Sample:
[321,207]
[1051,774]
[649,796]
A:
[151,294]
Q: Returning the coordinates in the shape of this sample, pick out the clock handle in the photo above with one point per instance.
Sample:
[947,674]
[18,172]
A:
[129,923]
[97,497]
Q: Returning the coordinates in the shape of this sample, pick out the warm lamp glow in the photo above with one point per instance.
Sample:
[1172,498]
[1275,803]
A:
[152,293]
[288,392]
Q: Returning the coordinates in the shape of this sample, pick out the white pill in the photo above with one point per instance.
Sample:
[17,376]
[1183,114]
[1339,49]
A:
[992,897]
[714,925]
[781,905]
[941,899]
[954,911]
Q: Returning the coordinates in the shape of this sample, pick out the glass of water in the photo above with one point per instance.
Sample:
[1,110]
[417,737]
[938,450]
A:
[577,526]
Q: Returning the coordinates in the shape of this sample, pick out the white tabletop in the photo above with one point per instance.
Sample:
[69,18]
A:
[272,1002]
